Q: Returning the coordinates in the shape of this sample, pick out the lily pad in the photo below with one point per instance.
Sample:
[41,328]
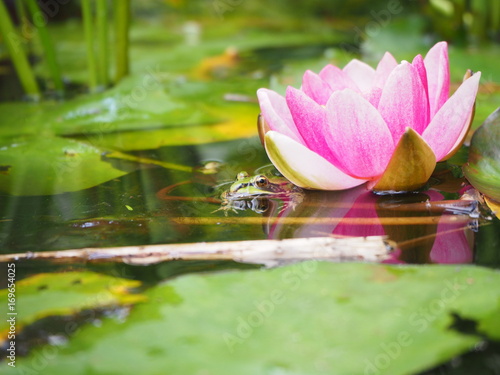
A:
[226,128]
[178,111]
[308,318]
[45,295]
[483,167]
[51,165]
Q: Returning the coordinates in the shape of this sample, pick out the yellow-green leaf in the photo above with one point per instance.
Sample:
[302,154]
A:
[45,294]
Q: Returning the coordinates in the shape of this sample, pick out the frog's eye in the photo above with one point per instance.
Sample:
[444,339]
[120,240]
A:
[261,181]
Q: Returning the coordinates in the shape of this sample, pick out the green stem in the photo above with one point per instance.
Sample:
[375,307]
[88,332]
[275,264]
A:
[495,16]
[19,58]
[22,15]
[48,47]
[122,18]
[89,39]
[102,39]
[25,26]
[138,159]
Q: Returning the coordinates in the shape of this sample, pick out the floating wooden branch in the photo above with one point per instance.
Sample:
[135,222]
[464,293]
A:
[268,252]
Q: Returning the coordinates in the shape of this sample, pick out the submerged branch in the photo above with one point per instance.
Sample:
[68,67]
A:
[416,220]
[268,252]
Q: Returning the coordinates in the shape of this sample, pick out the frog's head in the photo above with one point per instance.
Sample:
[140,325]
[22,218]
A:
[256,188]
[252,185]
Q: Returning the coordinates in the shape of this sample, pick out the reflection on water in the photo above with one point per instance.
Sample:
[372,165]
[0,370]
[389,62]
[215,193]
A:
[155,205]
[425,227]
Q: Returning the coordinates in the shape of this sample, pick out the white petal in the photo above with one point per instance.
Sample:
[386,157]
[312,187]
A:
[304,167]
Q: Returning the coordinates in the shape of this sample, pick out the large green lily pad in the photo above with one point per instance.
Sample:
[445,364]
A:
[146,101]
[239,122]
[308,318]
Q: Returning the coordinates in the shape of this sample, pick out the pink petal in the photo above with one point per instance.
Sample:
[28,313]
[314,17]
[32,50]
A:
[364,207]
[451,245]
[277,115]
[461,136]
[394,258]
[418,64]
[373,96]
[330,204]
[361,73]
[447,125]
[384,69]
[359,137]
[304,167]
[317,89]
[438,76]
[404,101]
[310,119]
[337,79]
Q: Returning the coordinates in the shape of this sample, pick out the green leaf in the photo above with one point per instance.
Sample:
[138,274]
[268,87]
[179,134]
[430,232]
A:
[483,167]
[51,165]
[43,295]
[309,318]
[239,122]
[178,111]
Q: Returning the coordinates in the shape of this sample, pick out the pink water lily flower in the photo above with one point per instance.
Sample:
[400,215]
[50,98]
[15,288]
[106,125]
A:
[388,125]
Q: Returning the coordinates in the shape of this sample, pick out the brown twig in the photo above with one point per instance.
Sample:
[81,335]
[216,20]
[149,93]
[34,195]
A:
[366,249]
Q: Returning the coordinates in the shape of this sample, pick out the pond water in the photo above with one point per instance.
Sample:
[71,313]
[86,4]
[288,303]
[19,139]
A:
[153,205]
[147,162]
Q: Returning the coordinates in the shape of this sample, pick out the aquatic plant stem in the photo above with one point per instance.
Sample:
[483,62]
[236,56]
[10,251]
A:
[122,19]
[23,16]
[142,160]
[89,38]
[102,40]
[495,18]
[17,54]
[48,47]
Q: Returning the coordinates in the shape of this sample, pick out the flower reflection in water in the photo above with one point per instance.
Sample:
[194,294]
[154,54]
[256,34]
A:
[425,227]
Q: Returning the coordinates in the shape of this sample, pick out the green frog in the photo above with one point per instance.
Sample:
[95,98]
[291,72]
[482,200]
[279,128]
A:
[250,192]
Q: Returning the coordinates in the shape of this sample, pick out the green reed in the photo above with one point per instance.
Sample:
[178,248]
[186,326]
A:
[17,54]
[47,46]
[122,20]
